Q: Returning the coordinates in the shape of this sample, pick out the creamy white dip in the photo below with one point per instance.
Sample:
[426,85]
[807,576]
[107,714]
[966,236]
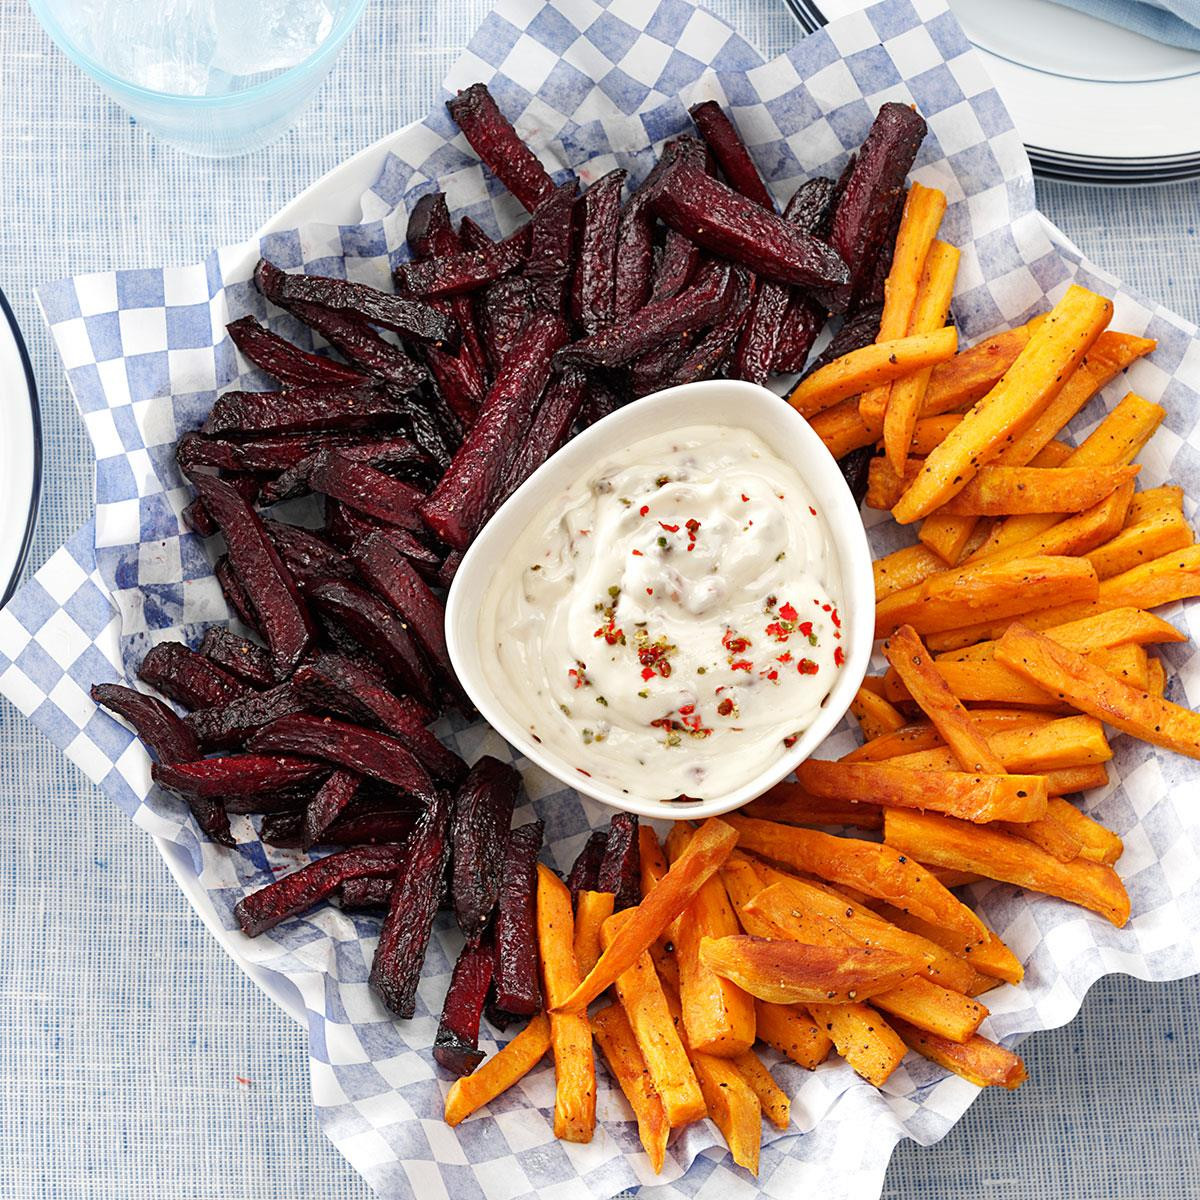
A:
[669,624]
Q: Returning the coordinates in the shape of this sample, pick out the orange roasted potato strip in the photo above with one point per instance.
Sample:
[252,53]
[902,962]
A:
[718,1015]
[930,311]
[991,957]
[790,804]
[972,796]
[789,1029]
[1069,676]
[498,1073]
[978,1060]
[570,1034]
[971,374]
[871,366]
[875,715]
[929,1006]
[863,1038]
[841,428]
[1011,407]
[943,841]
[998,491]
[1095,841]
[772,1099]
[708,849]
[869,867]
[613,1035]
[1159,534]
[645,1004]
[956,598]
[781,971]
[592,909]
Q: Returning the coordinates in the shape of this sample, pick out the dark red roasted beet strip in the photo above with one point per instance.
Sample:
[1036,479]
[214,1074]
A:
[365,822]
[594,280]
[517,989]
[328,803]
[393,454]
[366,893]
[679,257]
[301,890]
[551,238]
[277,356]
[483,808]
[505,309]
[362,487]
[658,323]
[379,630]
[865,207]
[334,683]
[856,469]
[364,751]
[232,589]
[723,139]
[242,780]
[802,325]
[731,226]
[858,330]
[227,726]
[409,318]
[396,968]
[245,660]
[270,586]
[451,274]
[393,577]
[875,289]
[301,410]
[584,875]
[635,241]
[710,354]
[186,677]
[759,341]
[494,139]
[449,568]
[459,503]
[550,430]
[456,1046]
[156,724]
[621,867]
[306,555]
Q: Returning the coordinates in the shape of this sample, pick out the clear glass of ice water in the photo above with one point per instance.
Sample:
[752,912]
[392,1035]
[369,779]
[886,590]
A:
[212,77]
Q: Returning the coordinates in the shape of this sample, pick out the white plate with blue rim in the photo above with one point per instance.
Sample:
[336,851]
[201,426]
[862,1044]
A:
[20,453]
[1094,103]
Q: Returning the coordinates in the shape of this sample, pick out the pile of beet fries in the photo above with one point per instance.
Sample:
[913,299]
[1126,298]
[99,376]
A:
[503,348]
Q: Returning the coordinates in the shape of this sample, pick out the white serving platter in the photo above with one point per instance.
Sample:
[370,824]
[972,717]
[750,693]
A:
[20,452]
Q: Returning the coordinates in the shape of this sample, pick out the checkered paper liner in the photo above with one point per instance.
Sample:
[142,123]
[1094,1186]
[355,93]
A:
[591,86]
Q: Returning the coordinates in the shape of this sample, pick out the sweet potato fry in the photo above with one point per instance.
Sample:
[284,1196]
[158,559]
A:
[872,190]
[999,491]
[972,373]
[789,1029]
[1157,676]
[928,432]
[735,228]
[645,1004]
[875,715]
[508,1065]
[904,568]
[496,142]
[570,1034]
[991,957]
[718,1015]
[952,599]
[1142,542]
[614,1036]
[928,1006]
[863,1038]
[652,862]
[919,221]
[1095,842]
[872,366]
[787,972]
[1068,676]
[592,909]
[943,841]
[772,1099]
[515,980]
[915,667]
[708,849]
[870,868]
[1059,781]
[985,682]
[969,796]
[789,804]
[1154,501]
[841,428]
[1029,385]
[930,311]
[978,1060]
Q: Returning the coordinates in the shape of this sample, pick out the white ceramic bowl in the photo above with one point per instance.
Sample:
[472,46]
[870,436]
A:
[712,402]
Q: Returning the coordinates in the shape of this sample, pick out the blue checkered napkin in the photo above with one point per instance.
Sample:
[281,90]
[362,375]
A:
[590,86]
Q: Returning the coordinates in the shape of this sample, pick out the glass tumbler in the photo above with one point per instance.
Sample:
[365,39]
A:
[214,78]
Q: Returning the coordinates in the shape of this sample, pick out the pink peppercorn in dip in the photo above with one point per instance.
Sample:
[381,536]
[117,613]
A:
[670,623]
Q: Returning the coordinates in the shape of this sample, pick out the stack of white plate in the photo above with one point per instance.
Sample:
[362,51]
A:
[1094,103]
[20,452]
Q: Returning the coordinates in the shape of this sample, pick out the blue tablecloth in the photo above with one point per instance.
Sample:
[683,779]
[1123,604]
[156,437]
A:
[136,1061]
